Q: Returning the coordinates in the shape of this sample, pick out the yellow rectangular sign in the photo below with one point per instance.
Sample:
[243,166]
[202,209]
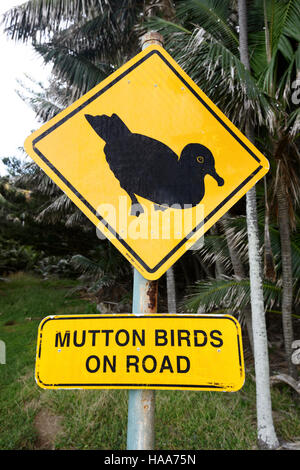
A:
[157,351]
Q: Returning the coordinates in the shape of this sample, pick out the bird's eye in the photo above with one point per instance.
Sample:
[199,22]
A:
[200,159]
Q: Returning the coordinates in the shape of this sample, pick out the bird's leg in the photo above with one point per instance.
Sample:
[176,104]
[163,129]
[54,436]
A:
[136,207]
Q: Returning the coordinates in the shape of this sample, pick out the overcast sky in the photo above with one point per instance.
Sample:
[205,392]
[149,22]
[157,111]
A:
[17,120]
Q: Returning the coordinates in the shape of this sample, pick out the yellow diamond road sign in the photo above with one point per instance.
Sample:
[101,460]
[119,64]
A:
[181,352]
[149,159]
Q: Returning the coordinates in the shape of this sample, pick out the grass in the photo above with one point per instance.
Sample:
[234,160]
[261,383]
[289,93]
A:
[97,419]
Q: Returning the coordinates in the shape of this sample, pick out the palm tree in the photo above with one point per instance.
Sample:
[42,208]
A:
[266,432]
[204,39]
[282,23]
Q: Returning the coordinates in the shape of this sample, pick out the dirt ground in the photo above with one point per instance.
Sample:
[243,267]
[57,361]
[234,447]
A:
[48,426]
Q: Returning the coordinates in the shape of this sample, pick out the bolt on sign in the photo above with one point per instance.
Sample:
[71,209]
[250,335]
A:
[157,351]
[149,159]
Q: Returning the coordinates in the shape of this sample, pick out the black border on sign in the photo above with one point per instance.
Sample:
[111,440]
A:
[131,317]
[94,212]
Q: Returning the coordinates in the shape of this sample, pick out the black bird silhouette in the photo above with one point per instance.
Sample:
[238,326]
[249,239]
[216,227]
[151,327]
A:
[148,168]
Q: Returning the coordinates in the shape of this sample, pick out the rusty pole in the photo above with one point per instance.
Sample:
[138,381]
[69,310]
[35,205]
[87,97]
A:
[141,404]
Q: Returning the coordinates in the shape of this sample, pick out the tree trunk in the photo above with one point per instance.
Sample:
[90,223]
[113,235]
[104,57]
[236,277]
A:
[287,275]
[239,272]
[219,268]
[269,264]
[265,427]
[286,256]
[171,290]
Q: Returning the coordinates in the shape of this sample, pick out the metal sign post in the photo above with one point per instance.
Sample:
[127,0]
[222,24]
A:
[141,403]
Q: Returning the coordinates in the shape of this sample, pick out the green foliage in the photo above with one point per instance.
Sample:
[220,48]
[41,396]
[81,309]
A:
[106,268]
[16,257]
[26,295]
[25,240]
[230,294]
[14,166]
[55,266]
[203,38]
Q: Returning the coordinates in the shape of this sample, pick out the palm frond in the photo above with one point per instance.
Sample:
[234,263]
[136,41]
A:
[106,266]
[44,104]
[294,123]
[75,69]
[87,266]
[213,16]
[228,294]
[236,228]
[275,59]
[215,248]
[78,218]
[38,19]
[217,69]
[220,73]
[284,19]
[38,181]
[210,255]
[56,210]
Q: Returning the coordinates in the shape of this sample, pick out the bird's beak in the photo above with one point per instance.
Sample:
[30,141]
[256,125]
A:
[218,178]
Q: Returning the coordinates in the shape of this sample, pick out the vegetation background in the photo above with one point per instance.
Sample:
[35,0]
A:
[51,260]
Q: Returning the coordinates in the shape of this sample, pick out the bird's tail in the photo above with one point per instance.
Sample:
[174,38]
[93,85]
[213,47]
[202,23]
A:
[108,127]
